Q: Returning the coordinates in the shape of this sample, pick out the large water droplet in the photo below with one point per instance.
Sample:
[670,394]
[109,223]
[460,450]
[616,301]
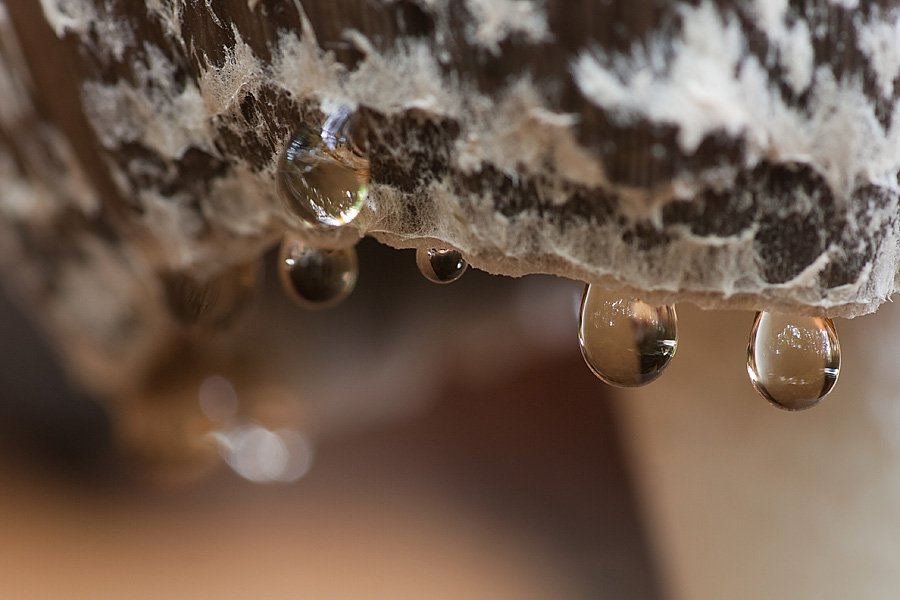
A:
[441,266]
[625,341]
[315,277]
[323,177]
[215,302]
[793,361]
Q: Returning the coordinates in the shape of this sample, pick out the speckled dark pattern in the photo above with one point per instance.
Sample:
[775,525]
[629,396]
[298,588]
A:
[750,230]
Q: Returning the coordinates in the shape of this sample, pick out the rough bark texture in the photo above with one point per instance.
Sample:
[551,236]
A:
[742,154]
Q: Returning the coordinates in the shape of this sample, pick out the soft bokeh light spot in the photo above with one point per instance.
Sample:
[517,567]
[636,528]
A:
[261,455]
[218,398]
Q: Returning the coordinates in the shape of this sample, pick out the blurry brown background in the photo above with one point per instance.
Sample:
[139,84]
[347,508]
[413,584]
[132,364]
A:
[462,450]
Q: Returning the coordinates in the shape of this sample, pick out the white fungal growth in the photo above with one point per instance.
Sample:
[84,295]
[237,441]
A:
[223,87]
[703,80]
[519,133]
[299,67]
[797,56]
[495,20]
[81,16]
[698,91]
[794,43]
[66,16]
[712,85]
[168,13]
[157,112]
[402,79]
[880,41]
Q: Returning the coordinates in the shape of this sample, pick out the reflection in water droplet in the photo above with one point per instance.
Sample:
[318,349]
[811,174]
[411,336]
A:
[793,361]
[625,342]
[317,278]
[323,177]
[214,303]
[441,266]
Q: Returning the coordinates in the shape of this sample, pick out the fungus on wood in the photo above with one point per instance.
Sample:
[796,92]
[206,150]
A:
[731,154]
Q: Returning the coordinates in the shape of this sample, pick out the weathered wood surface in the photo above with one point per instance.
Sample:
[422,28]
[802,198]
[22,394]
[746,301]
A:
[740,154]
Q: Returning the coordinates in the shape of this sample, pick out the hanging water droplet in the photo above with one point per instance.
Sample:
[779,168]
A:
[323,177]
[315,277]
[440,265]
[215,302]
[792,361]
[625,341]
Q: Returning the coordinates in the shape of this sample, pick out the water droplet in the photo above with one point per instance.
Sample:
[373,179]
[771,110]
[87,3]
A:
[323,177]
[625,341]
[315,277]
[215,302]
[441,265]
[793,362]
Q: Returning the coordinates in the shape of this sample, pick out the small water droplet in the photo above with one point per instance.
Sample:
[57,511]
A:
[215,302]
[441,265]
[625,341]
[323,177]
[315,277]
[793,362]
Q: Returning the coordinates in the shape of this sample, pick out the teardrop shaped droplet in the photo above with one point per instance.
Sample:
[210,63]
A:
[625,341]
[793,362]
[314,277]
[215,302]
[323,177]
[441,265]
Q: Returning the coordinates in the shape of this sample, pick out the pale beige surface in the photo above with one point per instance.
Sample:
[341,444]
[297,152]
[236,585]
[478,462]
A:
[749,502]
[318,541]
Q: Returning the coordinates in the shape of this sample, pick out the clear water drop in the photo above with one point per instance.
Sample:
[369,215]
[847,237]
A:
[625,341]
[793,362]
[211,303]
[315,277]
[441,265]
[323,176]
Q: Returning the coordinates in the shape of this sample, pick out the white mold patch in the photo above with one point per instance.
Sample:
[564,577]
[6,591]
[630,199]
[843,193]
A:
[403,78]
[66,16]
[713,85]
[517,134]
[496,20]
[703,80]
[698,91]
[157,112]
[299,67]
[880,41]
[41,150]
[223,87]
[793,43]
[169,14]
[79,17]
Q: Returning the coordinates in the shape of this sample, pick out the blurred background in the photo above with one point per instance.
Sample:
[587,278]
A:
[424,441]
[418,441]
